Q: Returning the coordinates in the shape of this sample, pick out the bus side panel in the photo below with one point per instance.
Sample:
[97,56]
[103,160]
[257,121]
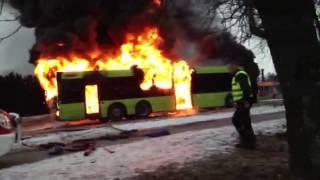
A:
[74,111]
[209,100]
[211,69]
[162,104]
[158,104]
[128,103]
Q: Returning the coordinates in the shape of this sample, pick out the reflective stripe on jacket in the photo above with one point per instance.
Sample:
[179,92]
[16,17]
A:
[237,92]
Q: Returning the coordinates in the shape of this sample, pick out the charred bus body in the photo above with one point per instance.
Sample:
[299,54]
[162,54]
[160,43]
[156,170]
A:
[116,94]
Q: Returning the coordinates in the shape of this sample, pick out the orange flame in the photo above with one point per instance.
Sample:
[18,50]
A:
[140,50]
[92,101]
[182,85]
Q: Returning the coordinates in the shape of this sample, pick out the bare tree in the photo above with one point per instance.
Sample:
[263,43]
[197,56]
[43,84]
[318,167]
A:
[14,18]
[10,34]
[1,5]
[291,30]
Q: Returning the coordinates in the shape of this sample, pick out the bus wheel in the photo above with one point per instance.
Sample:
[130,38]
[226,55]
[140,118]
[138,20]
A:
[116,112]
[229,101]
[143,109]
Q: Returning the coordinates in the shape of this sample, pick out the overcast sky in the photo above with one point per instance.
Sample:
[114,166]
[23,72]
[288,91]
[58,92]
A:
[262,53]
[14,52]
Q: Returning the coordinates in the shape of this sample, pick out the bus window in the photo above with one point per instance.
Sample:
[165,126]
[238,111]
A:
[156,92]
[213,82]
[210,89]
[71,91]
[92,99]
[128,87]
[120,88]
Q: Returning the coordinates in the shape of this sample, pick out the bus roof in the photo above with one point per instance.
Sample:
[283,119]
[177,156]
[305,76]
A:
[128,73]
[109,73]
[117,73]
[211,69]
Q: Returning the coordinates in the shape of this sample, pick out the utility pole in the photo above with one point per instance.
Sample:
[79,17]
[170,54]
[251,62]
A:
[262,75]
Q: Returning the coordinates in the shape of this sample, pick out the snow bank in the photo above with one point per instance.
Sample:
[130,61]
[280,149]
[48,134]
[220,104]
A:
[271,100]
[62,137]
[266,109]
[154,123]
[202,117]
[134,158]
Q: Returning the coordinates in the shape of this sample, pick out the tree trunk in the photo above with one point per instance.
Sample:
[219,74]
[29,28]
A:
[294,47]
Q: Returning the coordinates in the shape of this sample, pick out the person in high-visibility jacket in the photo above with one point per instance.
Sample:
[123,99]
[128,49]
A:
[242,96]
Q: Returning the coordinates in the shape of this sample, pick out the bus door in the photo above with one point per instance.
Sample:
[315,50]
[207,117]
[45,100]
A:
[92,87]
[92,105]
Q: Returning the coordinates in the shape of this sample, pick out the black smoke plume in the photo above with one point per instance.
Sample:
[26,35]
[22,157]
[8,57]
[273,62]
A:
[64,26]
[215,44]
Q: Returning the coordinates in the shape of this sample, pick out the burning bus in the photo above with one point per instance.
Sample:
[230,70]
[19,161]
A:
[113,94]
[84,58]
[116,94]
[137,78]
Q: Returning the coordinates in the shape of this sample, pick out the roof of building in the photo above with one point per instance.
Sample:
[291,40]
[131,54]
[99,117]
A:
[268,83]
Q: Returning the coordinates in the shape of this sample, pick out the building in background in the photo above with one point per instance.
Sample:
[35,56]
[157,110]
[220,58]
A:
[269,89]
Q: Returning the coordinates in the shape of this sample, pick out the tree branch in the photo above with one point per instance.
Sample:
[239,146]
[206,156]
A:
[254,28]
[9,20]
[1,6]
[316,17]
[11,34]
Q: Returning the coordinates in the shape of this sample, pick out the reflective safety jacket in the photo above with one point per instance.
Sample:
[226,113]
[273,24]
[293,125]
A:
[241,87]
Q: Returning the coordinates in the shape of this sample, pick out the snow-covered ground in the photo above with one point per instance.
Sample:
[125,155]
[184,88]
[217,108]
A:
[141,156]
[176,121]
[271,100]
[155,123]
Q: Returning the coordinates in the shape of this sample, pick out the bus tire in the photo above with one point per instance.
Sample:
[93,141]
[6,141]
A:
[117,112]
[229,101]
[143,109]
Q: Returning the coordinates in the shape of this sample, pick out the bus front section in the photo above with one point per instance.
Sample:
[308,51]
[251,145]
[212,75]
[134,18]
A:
[78,96]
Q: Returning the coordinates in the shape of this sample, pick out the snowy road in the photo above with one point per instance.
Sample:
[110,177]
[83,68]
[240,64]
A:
[117,128]
[183,125]
[141,156]
[45,124]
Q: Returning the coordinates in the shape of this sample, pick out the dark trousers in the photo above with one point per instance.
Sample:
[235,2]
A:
[242,122]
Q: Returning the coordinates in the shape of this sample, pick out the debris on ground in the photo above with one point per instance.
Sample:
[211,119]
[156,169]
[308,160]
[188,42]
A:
[56,150]
[154,132]
[192,150]
[91,147]
[123,129]
[108,150]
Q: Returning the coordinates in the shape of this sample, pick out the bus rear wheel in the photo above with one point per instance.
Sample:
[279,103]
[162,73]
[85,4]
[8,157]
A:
[143,109]
[116,112]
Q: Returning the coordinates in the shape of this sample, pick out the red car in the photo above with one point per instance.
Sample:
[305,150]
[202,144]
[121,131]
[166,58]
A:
[8,133]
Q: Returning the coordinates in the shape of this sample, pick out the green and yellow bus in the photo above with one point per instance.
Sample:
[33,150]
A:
[117,94]
[211,87]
